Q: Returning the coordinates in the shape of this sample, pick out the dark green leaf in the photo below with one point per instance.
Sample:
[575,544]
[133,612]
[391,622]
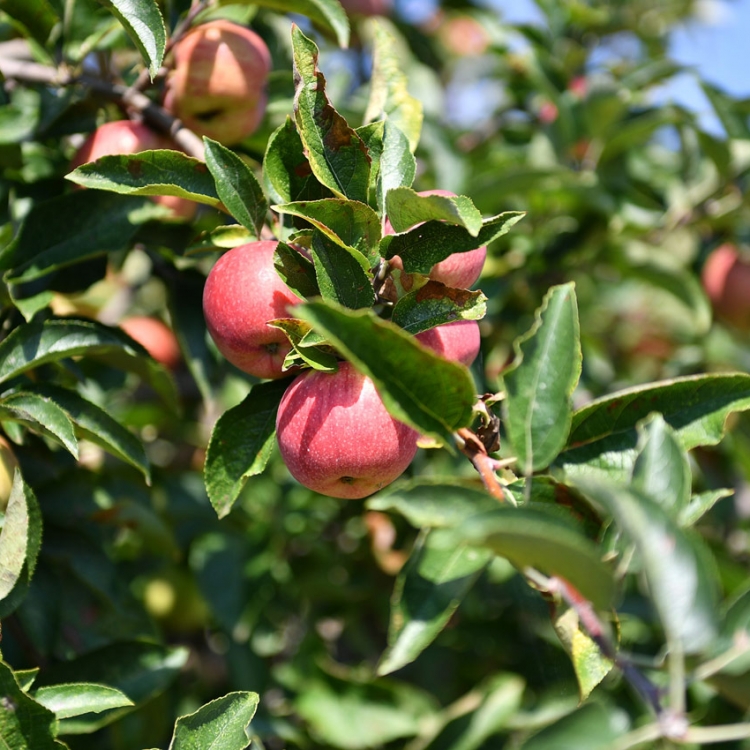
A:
[143,21]
[38,17]
[346,222]
[159,172]
[700,504]
[428,590]
[727,110]
[539,385]
[590,727]
[537,537]
[417,387]
[421,248]
[329,14]
[241,444]
[296,271]
[237,186]
[603,435]
[337,155]
[220,725]
[405,208]
[434,304]
[678,567]
[342,273]
[74,699]
[72,228]
[389,91]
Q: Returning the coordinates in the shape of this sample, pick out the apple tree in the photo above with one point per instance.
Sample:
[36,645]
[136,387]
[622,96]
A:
[343,408]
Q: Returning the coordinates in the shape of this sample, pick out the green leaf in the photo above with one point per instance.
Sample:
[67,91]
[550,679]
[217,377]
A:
[389,93]
[405,208]
[536,536]
[237,186]
[158,172]
[434,304]
[662,470]
[428,590]
[74,699]
[38,17]
[34,344]
[433,502]
[316,357]
[417,387]
[287,173]
[95,425]
[678,567]
[296,271]
[145,26]
[71,228]
[603,435]
[24,723]
[424,246]
[337,155]
[346,222]
[728,110]
[700,504]
[220,725]
[20,540]
[342,273]
[241,444]
[539,385]
[328,14]
[41,414]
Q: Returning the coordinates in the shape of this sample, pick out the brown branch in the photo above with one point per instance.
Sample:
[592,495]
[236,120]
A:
[473,448]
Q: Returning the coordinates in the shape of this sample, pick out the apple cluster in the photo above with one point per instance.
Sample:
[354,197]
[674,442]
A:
[333,431]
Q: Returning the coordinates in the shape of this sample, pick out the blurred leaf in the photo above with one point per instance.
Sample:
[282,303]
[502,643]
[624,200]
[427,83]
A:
[662,470]
[74,699]
[220,725]
[95,425]
[637,130]
[24,723]
[726,109]
[700,504]
[433,502]
[143,21]
[158,172]
[296,271]
[236,186]
[71,228]
[328,14]
[681,575]
[38,17]
[41,414]
[603,435]
[536,536]
[405,208]
[342,273]
[15,124]
[20,540]
[241,444]
[336,153]
[428,590]
[421,248]
[287,173]
[593,726]
[539,384]
[389,94]
[434,304]
[346,222]
[429,393]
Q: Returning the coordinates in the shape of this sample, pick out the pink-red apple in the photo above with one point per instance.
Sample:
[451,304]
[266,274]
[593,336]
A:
[243,292]
[129,137]
[726,279]
[337,438]
[217,86]
[458,341]
[460,270]
[156,337]
[8,464]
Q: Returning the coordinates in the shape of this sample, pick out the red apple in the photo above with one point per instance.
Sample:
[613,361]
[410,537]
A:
[8,464]
[156,337]
[129,137]
[463,35]
[460,270]
[337,438]
[218,84]
[458,341]
[726,279]
[243,292]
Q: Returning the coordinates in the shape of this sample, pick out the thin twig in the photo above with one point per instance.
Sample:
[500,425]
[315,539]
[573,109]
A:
[473,448]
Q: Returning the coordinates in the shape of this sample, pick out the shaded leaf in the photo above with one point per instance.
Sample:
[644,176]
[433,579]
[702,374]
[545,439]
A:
[319,358]
[328,14]
[38,17]
[296,271]
[74,699]
[434,304]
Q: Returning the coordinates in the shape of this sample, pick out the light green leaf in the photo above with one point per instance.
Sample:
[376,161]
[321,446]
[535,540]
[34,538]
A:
[328,14]
[74,699]
[406,208]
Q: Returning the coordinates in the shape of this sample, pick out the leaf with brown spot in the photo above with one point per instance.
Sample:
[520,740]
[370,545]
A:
[434,304]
